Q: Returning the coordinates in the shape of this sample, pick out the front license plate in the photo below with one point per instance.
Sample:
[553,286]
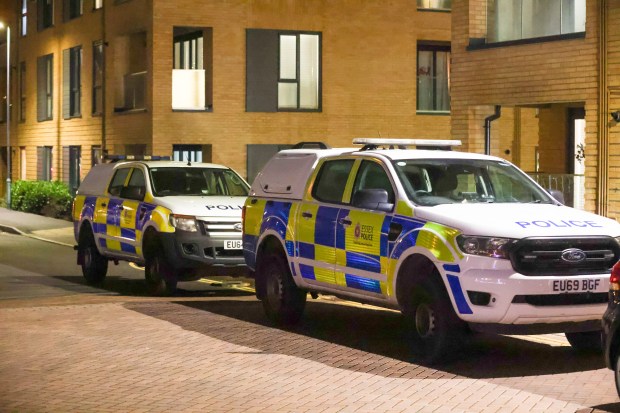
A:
[568,286]
[233,245]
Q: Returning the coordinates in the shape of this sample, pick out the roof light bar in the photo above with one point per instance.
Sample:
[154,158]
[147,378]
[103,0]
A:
[116,158]
[374,143]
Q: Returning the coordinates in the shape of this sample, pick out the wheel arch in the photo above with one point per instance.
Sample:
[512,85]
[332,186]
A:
[415,268]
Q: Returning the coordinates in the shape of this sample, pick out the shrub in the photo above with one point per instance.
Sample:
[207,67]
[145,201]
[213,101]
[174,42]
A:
[50,198]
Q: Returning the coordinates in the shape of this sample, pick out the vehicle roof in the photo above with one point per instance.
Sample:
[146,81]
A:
[171,164]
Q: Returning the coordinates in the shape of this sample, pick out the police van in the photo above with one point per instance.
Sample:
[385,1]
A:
[456,241]
[181,220]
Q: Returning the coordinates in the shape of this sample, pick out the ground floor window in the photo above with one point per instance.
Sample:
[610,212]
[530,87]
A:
[71,164]
[258,155]
[44,163]
[191,153]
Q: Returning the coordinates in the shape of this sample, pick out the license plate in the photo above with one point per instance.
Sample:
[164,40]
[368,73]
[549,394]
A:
[233,245]
[567,286]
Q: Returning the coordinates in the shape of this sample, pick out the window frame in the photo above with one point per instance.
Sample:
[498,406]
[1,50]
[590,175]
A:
[433,47]
[72,82]
[45,14]
[22,91]
[72,9]
[316,186]
[98,50]
[45,87]
[23,20]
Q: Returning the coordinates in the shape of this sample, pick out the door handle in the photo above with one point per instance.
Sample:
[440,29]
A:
[103,204]
[306,215]
[253,201]
[394,233]
[345,222]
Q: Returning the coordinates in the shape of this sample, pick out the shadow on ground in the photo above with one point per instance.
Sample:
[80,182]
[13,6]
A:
[366,340]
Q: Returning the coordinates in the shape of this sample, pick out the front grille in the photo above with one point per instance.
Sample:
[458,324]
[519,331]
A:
[220,252]
[217,227]
[543,256]
[550,300]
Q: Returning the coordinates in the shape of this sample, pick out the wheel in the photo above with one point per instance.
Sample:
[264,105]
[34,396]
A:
[434,326]
[282,301]
[586,342]
[94,265]
[158,273]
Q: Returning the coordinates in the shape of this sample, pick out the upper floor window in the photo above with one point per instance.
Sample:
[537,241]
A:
[72,82]
[130,77]
[526,19]
[45,14]
[433,78]
[73,9]
[283,71]
[45,87]
[24,18]
[22,91]
[192,85]
[97,4]
[435,4]
[97,103]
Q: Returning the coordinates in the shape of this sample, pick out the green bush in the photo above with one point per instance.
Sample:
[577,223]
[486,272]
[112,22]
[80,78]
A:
[50,198]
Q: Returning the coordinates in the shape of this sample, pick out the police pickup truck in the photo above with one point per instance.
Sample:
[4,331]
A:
[180,220]
[456,241]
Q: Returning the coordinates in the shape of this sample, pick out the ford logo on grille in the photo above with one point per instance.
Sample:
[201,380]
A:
[573,255]
[238,227]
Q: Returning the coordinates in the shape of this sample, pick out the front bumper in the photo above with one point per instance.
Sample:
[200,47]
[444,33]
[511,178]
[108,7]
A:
[194,250]
[517,299]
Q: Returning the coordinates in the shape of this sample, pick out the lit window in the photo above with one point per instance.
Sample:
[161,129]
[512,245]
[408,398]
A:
[433,76]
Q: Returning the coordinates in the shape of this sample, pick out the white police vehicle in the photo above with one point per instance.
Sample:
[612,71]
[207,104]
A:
[452,239]
[180,220]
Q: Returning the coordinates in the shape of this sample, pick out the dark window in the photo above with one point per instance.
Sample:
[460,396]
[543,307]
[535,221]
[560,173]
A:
[98,64]
[433,78]
[118,181]
[332,180]
[45,87]
[192,74]
[372,176]
[135,149]
[71,164]
[45,14]
[72,82]
[22,91]
[283,71]
[95,155]
[196,181]
[73,9]
[259,154]
[44,163]
[24,18]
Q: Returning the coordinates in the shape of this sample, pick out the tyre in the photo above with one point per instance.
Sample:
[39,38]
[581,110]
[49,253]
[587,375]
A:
[94,265]
[435,328]
[586,342]
[158,273]
[282,301]
[616,364]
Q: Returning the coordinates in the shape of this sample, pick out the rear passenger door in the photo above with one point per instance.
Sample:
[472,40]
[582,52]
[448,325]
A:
[316,224]
[362,236]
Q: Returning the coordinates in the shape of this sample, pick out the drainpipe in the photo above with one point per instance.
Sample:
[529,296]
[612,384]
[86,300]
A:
[487,128]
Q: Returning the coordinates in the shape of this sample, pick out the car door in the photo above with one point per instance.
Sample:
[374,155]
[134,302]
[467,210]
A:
[362,236]
[316,223]
[132,195]
[107,213]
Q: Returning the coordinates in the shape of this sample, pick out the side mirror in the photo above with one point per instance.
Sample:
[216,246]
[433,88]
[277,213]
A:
[132,192]
[373,198]
[557,195]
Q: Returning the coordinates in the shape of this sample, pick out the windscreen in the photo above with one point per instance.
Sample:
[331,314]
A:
[197,181]
[432,182]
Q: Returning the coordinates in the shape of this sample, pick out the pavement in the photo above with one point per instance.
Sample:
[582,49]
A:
[57,231]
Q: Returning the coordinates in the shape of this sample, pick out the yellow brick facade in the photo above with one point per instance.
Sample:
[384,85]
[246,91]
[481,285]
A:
[537,84]
[368,75]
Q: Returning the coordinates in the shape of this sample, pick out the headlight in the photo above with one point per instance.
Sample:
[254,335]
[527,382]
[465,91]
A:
[485,246]
[184,222]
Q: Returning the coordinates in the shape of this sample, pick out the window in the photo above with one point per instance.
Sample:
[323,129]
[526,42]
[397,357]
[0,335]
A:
[24,18]
[22,91]
[71,165]
[44,163]
[130,74]
[135,149]
[331,180]
[192,82]
[98,62]
[435,4]
[45,14]
[525,19]
[118,181]
[372,176]
[23,163]
[98,4]
[191,153]
[95,155]
[283,71]
[45,87]
[433,91]
[72,82]
[258,155]
[72,9]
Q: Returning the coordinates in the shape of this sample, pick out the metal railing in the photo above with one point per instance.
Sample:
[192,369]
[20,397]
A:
[570,185]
